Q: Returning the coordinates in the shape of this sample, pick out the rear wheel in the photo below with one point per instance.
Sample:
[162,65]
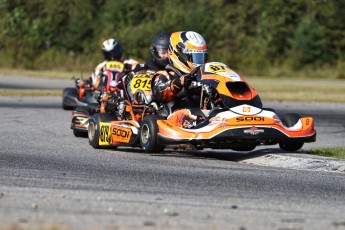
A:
[148,135]
[289,120]
[93,133]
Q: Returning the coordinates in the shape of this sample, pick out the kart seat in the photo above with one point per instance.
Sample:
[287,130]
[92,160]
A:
[93,106]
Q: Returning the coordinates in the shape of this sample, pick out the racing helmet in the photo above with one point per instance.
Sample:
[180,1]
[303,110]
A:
[112,49]
[113,83]
[112,86]
[160,42]
[187,49]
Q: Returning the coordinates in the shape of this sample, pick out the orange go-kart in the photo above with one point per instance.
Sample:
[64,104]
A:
[84,90]
[85,99]
[79,95]
[234,118]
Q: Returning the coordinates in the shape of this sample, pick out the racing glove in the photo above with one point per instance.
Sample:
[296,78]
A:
[176,85]
[186,80]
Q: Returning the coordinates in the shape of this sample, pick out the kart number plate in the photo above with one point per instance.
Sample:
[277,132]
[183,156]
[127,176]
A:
[217,67]
[104,135]
[141,82]
[114,66]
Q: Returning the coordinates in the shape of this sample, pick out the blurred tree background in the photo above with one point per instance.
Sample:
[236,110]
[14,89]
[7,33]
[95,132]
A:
[264,37]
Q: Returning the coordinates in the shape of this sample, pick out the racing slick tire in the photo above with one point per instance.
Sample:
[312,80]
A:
[79,133]
[289,120]
[148,135]
[68,92]
[93,130]
[244,147]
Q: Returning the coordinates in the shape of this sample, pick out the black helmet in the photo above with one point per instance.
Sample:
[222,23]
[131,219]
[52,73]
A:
[160,42]
[111,49]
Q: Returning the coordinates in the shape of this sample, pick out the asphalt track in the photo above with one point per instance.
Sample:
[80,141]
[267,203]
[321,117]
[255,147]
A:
[49,177]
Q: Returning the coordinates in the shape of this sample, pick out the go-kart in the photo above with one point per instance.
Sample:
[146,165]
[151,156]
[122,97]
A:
[82,93]
[233,118]
[85,101]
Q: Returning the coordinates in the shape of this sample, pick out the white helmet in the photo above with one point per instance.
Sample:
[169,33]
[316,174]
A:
[112,49]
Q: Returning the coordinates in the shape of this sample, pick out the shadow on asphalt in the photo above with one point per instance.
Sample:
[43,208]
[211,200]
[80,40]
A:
[227,155]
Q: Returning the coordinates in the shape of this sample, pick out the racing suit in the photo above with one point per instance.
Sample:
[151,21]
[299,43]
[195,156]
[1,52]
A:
[167,87]
[129,65]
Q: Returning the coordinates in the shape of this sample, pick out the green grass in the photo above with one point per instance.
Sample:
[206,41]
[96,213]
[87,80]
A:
[30,92]
[52,74]
[297,90]
[328,152]
[35,227]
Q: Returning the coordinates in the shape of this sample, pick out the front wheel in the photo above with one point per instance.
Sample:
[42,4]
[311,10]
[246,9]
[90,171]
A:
[94,130]
[291,146]
[244,147]
[93,133]
[148,135]
[289,120]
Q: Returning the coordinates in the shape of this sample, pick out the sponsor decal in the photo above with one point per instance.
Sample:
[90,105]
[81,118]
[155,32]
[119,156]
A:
[121,134]
[253,131]
[246,109]
[307,121]
[168,124]
[247,119]
[219,120]
[276,118]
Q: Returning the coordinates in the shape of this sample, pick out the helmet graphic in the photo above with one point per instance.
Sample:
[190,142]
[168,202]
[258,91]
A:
[187,49]
[160,43]
[111,49]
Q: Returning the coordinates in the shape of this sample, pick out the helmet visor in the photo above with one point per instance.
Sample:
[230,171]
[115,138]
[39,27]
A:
[161,48]
[161,51]
[197,58]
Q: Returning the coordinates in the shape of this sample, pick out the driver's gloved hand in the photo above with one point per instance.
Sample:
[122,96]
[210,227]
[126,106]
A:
[127,67]
[187,79]
[176,85]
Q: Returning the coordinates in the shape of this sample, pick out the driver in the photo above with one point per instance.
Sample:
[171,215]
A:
[158,58]
[112,101]
[112,51]
[187,50]
[156,61]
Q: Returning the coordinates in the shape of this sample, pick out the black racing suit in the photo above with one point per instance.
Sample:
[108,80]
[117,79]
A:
[167,87]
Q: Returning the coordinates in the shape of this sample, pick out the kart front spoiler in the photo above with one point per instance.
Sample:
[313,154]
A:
[169,134]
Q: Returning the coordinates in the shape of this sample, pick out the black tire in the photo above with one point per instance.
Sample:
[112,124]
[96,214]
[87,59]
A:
[93,133]
[289,120]
[68,92]
[78,133]
[244,147]
[93,130]
[148,135]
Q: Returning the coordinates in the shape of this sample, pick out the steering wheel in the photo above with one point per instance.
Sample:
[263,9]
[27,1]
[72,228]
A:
[191,76]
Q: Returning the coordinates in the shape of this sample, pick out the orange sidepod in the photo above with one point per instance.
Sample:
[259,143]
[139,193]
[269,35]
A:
[306,130]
